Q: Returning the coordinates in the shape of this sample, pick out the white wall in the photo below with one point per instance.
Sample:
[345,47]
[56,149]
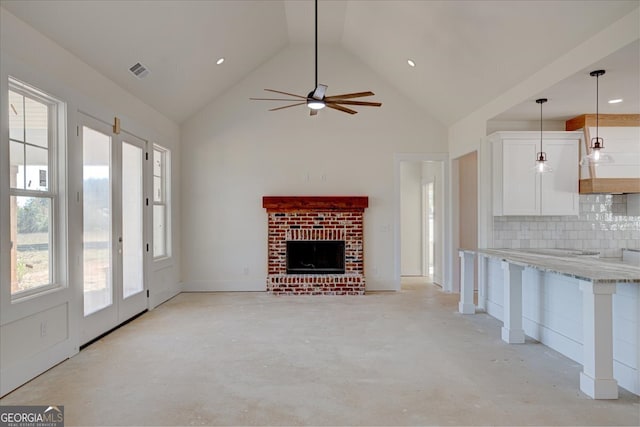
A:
[411,218]
[235,152]
[30,57]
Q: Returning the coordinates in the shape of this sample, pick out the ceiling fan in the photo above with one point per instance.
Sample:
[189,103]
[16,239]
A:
[316,99]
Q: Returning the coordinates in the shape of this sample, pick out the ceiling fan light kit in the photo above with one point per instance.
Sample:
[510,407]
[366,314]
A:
[316,99]
[315,104]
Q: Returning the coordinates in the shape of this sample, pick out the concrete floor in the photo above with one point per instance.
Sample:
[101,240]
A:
[405,358]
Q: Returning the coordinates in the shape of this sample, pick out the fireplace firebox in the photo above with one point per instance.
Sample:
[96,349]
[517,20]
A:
[315,257]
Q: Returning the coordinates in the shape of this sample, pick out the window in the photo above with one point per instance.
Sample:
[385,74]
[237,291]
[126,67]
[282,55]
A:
[33,189]
[161,196]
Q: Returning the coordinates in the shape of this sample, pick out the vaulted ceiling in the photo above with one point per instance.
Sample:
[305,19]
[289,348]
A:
[466,52]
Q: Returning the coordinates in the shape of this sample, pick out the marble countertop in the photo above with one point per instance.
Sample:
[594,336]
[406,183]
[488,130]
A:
[583,266]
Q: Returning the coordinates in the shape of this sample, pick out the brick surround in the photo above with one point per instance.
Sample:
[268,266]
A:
[315,218]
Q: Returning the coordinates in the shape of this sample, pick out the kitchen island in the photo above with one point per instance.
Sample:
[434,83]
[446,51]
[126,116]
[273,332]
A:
[582,306]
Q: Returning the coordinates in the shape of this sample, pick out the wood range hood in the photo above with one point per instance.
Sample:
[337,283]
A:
[591,183]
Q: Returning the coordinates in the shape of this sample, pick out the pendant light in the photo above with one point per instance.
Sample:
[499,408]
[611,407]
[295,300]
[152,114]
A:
[541,157]
[595,157]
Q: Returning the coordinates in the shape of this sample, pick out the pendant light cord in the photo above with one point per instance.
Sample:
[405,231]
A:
[316,86]
[597,104]
[541,101]
[541,127]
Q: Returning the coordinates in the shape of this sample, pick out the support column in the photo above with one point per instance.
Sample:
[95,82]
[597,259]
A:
[512,331]
[596,378]
[466,306]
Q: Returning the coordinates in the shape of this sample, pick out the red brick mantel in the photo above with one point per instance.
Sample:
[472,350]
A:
[316,218]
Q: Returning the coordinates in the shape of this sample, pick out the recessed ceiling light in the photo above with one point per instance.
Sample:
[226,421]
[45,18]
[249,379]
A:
[220,61]
[411,63]
[615,101]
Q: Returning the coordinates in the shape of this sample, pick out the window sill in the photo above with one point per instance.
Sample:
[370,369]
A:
[45,290]
[161,263]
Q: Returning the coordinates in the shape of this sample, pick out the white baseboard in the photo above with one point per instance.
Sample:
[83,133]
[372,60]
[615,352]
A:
[373,285]
[226,286]
[161,297]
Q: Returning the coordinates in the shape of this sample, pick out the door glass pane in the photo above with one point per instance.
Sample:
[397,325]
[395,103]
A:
[159,244]
[36,168]
[16,160]
[158,176]
[157,163]
[98,269]
[131,220]
[36,122]
[30,231]
[16,116]
[157,189]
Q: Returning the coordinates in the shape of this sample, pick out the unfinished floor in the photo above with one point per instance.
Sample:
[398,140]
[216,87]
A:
[404,358]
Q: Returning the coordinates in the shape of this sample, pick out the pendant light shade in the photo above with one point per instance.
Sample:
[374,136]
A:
[596,157]
[541,157]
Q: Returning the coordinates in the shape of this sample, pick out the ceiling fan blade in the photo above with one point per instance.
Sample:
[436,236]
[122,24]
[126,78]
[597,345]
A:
[287,106]
[341,108]
[313,112]
[348,95]
[286,93]
[319,92]
[273,99]
[345,102]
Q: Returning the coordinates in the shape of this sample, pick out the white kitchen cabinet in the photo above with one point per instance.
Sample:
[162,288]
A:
[519,190]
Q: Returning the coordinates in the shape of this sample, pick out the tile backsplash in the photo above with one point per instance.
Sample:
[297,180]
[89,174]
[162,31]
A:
[603,225]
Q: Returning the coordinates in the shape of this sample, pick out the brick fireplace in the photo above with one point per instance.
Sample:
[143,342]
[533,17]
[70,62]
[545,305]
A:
[323,220]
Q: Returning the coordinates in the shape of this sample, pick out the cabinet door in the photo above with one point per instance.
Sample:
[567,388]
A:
[521,184]
[560,187]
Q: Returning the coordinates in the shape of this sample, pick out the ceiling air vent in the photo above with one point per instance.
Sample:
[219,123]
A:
[139,70]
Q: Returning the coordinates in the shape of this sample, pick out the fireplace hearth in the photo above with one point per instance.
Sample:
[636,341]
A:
[315,245]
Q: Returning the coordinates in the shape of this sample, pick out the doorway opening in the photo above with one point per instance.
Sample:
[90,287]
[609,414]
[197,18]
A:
[422,236]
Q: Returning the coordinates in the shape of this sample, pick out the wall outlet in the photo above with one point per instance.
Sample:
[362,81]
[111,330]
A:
[43,329]
[246,271]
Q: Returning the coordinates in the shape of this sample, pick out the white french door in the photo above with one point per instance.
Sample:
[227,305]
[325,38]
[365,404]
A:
[113,205]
